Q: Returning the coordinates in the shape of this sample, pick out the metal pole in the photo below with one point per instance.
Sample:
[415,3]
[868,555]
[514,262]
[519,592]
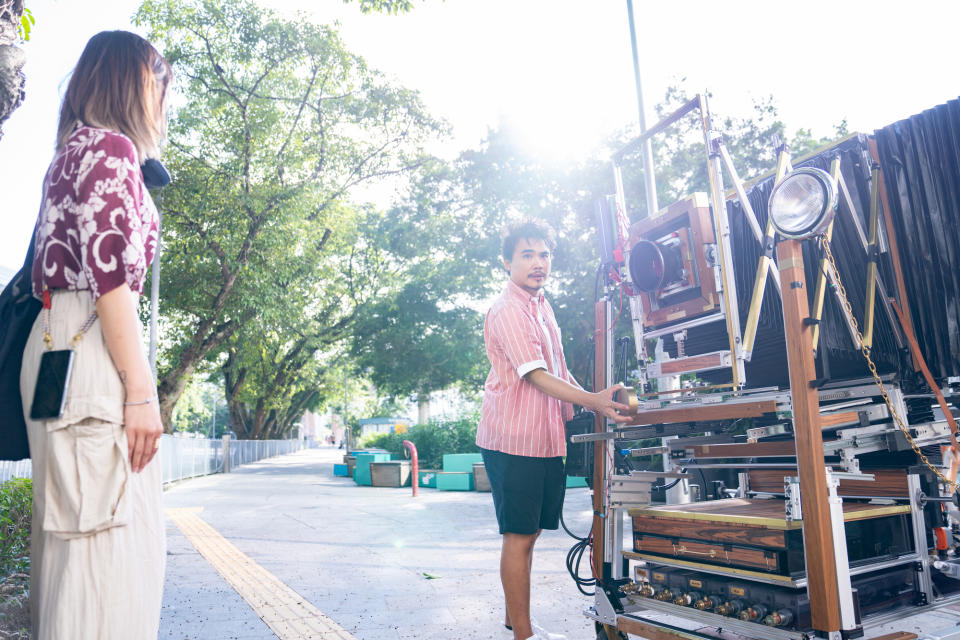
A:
[649,181]
[348,433]
[155,304]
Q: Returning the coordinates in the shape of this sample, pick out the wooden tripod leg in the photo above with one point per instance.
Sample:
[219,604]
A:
[817,532]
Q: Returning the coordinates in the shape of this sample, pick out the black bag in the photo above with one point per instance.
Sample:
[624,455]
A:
[18,310]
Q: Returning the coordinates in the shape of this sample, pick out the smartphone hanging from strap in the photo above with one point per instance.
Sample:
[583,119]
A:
[56,365]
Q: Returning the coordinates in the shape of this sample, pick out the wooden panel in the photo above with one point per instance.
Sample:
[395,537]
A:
[708,552]
[778,449]
[733,533]
[693,363]
[707,412]
[888,483]
[897,635]
[835,419]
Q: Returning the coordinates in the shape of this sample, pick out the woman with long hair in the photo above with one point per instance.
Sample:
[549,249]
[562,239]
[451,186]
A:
[98,547]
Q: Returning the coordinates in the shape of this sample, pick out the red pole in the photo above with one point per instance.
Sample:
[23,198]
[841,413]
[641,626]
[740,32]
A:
[411,450]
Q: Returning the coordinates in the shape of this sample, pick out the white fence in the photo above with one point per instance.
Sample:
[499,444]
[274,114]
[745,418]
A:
[190,457]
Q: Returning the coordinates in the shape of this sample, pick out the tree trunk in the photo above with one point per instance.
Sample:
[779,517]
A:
[169,399]
[12,59]
[423,408]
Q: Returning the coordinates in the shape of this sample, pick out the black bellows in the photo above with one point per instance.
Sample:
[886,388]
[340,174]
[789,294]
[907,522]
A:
[920,157]
[837,356]
[920,160]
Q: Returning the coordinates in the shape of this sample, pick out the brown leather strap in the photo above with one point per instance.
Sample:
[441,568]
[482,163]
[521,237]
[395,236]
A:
[919,361]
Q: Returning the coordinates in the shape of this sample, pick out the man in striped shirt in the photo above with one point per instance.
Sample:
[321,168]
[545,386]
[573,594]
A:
[527,398]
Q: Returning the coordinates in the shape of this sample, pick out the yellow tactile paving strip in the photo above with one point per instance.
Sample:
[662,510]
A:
[286,612]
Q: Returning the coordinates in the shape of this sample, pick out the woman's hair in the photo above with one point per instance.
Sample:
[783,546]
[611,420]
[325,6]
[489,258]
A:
[119,83]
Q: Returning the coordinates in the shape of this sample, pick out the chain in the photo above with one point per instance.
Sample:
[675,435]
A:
[825,244]
[48,339]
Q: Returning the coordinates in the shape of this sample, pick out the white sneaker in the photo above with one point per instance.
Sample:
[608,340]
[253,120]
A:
[539,633]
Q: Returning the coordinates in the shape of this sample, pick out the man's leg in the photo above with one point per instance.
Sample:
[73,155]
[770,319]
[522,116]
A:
[506,618]
[516,559]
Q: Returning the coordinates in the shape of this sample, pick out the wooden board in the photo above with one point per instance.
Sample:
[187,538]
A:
[836,419]
[888,483]
[709,552]
[721,533]
[776,449]
[705,412]
[763,513]
[817,535]
[692,363]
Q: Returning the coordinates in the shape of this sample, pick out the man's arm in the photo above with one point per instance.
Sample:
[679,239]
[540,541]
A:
[563,390]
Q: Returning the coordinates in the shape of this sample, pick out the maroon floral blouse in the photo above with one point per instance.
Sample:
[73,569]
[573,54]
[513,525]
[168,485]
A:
[98,226]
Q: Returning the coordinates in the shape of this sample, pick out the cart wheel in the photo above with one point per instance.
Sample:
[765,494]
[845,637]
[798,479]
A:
[607,632]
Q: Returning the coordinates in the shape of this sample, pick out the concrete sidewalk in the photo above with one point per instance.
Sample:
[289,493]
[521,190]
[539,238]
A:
[381,564]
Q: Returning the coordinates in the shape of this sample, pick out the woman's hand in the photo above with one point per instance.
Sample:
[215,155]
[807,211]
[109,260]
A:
[121,330]
[143,427]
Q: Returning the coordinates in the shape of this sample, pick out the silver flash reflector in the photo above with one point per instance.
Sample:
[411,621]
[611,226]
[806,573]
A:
[803,203]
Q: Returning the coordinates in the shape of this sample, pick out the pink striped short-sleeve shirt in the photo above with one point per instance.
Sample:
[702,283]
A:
[521,334]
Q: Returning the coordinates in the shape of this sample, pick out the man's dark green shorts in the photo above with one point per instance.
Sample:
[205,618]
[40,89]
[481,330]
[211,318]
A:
[527,492]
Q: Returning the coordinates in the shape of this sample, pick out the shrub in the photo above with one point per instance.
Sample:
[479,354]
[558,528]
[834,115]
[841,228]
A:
[16,503]
[432,440]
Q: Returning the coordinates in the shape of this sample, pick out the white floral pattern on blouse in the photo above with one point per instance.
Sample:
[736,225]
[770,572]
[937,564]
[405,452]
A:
[98,226]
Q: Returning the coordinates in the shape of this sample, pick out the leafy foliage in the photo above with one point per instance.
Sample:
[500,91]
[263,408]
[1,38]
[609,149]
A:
[432,440]
[25,25]
[16,508]
[195,408]
[263,266]
[384,6]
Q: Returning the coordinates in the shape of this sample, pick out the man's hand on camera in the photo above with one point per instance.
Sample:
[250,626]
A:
[607,406]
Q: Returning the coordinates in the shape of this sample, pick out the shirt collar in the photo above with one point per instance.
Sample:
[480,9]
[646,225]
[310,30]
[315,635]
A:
[514,290]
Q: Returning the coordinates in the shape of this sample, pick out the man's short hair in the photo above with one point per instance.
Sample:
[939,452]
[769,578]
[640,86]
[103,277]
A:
[527,229]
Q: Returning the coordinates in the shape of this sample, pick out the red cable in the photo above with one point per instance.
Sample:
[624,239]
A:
[618,310]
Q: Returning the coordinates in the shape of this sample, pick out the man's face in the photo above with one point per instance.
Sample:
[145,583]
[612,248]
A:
[530,264]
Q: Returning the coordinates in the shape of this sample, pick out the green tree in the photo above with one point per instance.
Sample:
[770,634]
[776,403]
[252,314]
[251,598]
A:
[274,125]
[419,334]
[412,345]
[201,408]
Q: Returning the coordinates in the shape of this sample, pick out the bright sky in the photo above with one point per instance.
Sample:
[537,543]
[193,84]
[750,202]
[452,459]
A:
[560,70]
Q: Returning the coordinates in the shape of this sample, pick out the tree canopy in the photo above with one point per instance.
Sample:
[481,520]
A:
[275,125]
